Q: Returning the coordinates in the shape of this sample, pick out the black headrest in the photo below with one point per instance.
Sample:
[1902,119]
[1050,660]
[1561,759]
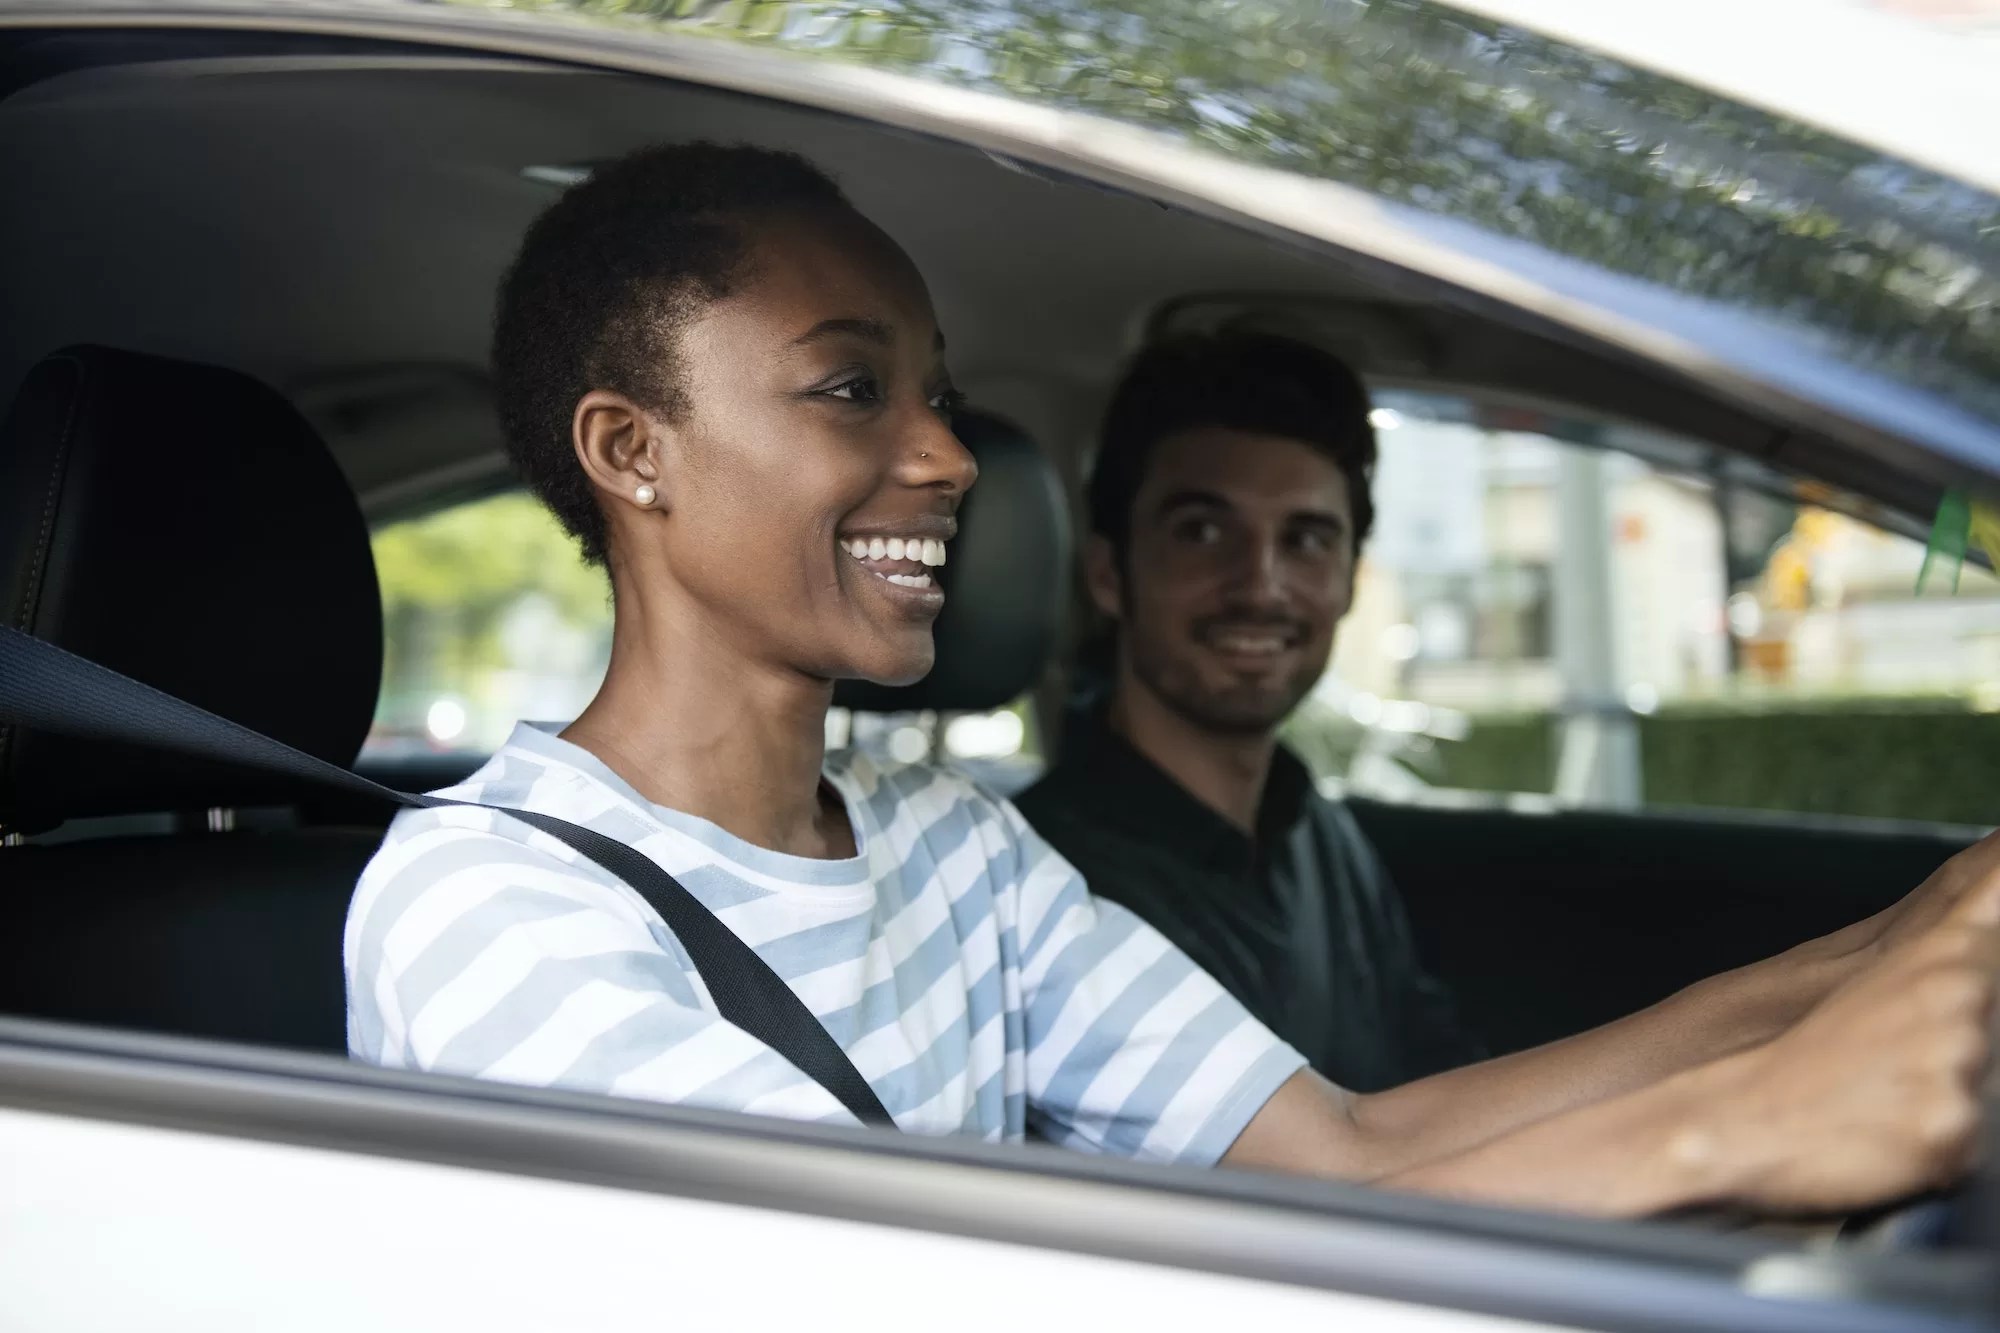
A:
[184,525]
[1005,585]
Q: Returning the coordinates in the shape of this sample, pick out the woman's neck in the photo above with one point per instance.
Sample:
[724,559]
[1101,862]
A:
[695,727]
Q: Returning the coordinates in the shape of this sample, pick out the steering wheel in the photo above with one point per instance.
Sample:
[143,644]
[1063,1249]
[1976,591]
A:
[1941,1220]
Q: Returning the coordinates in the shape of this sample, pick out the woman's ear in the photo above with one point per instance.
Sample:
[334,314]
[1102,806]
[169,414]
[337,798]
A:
[1101,576]
[616,444]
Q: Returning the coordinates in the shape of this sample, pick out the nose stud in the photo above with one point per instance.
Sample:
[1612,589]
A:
[923,455]
[645,495]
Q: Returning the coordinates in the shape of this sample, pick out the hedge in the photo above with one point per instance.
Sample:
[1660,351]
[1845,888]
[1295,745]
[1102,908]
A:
[1926,758]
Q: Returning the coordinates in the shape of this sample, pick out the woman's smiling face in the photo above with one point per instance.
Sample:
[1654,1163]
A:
[808,489]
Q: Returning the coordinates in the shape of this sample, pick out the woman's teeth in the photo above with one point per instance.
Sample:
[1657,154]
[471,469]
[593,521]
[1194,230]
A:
[923,550]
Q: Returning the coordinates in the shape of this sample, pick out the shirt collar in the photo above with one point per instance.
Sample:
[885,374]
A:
[543,741]
[1125,788]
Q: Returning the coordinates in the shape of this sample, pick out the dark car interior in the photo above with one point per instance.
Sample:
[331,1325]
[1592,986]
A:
[247,317]
[125,546]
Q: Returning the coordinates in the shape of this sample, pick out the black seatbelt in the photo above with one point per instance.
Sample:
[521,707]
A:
[50,689]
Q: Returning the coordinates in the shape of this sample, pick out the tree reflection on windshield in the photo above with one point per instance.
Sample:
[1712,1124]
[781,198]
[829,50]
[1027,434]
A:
[1889,267]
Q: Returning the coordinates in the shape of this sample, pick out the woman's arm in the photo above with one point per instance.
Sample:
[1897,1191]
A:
[1872,1095]
[1626,1157]
[1708,1021]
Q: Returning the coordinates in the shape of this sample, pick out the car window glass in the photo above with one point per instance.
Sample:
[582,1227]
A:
[489,615]
[1723,648]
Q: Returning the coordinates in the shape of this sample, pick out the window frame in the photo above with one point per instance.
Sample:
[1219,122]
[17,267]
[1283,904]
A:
[211,1089]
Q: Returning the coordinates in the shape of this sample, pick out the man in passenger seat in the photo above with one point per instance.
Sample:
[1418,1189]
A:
[731,388]
[1228,502]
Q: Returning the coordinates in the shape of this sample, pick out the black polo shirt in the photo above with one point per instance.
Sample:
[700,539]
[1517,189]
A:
[1301,923]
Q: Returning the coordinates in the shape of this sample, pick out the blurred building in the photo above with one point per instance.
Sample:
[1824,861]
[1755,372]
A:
[1456,598]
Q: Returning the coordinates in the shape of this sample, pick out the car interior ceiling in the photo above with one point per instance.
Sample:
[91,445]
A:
[333,226]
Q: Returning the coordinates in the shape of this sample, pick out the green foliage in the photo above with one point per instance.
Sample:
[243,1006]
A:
[1902,758]
[1502,752]
[449,578]
[481,556]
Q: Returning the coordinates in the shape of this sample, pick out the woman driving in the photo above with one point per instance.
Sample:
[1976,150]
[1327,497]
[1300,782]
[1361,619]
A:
[732,390]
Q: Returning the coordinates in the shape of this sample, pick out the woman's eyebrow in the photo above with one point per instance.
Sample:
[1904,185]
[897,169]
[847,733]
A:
[869,330]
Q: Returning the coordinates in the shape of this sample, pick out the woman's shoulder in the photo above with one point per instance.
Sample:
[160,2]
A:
[435,848]
[884,781]
[471,828]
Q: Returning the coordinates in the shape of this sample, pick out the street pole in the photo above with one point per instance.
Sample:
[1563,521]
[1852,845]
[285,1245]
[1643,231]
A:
[1598,748]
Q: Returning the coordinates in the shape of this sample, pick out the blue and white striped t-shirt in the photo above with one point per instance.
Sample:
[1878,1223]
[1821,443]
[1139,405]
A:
[957,958]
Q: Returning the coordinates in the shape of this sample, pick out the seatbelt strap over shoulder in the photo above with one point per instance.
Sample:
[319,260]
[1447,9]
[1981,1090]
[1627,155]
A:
[50,689]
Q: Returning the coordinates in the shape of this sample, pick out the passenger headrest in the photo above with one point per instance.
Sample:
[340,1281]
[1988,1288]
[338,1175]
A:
[1005,585]
[183,525]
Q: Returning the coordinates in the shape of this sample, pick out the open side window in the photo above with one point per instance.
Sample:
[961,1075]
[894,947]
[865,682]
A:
[1610,617]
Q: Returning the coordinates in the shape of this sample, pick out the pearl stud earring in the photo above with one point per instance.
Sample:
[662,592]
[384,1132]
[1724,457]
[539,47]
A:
[645,495]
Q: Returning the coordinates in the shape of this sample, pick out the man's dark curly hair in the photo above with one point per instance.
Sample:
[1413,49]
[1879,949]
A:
[1252,382]
[606,280]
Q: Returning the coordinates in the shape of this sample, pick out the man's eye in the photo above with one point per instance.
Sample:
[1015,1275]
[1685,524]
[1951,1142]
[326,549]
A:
[1311,543]
[1200,531]
[860,389]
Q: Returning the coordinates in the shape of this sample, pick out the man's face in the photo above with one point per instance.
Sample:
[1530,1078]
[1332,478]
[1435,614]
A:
[1239,565]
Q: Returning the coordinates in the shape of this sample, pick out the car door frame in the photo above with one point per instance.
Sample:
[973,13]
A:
[1318,1234]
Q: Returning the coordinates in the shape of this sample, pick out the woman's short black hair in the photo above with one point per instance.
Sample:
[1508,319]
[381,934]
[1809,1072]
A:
[1254,382]
[606,280]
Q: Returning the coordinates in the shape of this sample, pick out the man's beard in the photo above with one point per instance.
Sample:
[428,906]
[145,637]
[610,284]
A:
[1242,710]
